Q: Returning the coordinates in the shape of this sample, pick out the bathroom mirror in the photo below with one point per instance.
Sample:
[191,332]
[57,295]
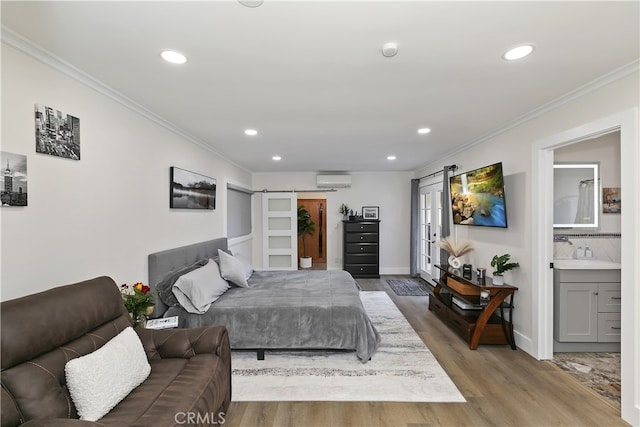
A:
[576,195]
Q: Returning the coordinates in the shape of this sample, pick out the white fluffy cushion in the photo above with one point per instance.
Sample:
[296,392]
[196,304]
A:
[100,380]
[198,289]
[232,269]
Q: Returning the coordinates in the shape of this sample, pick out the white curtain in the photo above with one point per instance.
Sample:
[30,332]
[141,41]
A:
[584,213]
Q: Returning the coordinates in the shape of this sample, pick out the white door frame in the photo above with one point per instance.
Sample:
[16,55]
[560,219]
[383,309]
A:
[435,188]
[542,246]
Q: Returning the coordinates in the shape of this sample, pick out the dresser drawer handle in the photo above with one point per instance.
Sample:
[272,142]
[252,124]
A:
[361,268]
[362,249]
[361,237]
[616,328]
[616,297]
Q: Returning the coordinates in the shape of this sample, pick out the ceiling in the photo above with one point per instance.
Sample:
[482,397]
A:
[309,76]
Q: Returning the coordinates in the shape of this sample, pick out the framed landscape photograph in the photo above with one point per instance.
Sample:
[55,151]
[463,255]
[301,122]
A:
[370,212]
[57,133]
[190,190]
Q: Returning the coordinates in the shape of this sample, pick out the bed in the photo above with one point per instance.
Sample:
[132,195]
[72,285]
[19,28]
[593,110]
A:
[284,310]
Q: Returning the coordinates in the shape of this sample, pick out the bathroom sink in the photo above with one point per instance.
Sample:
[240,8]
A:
[585,264]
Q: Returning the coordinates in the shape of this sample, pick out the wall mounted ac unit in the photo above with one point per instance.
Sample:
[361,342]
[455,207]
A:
[333,181]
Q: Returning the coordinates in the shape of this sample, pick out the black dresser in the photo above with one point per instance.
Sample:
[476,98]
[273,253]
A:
[361,248]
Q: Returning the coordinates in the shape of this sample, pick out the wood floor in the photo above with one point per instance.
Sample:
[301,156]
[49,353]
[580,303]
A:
[502,388]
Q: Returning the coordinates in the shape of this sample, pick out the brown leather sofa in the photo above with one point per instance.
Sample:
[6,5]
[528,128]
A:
[190,380]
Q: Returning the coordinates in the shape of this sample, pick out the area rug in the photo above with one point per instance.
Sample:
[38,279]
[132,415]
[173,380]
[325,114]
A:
[408,287]
[402,370]
[598,371]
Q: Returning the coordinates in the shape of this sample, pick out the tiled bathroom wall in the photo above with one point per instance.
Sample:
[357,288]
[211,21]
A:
[605,246]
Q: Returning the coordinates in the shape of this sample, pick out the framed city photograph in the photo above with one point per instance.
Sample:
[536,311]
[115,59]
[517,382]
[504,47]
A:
[14,179]
[370,212]
[57,133]
[190,190]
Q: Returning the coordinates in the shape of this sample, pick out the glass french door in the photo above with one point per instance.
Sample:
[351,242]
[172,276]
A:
[430,225]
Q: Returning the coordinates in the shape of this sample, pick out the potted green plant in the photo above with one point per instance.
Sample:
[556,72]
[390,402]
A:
[344,210]
[501,264]
[305,227]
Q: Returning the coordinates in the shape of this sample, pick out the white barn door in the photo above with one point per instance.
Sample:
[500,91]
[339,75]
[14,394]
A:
[279,231]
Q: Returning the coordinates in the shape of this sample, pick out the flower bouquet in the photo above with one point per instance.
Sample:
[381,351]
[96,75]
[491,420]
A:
[138,299]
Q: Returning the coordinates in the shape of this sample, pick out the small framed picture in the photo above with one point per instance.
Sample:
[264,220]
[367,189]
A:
[611,200]
[370,212]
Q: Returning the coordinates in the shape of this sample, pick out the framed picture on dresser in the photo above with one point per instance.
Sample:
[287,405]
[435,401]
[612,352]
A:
[370,212]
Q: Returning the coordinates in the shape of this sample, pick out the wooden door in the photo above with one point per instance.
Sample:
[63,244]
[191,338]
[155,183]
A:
[315,244]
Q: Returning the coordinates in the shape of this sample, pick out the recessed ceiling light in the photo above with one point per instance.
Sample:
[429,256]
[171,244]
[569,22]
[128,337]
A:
[251,132]
[389,49]
[251,3]
[423,131]
[518,52]
[391,157]
[276,158]
[173,57]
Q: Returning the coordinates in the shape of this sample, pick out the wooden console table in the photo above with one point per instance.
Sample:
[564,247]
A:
[456,301]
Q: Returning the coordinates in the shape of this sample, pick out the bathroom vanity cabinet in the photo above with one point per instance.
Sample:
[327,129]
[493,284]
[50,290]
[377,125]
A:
[587,310]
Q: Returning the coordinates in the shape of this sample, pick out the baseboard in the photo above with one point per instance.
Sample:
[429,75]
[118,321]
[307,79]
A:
[524,343]
[395,270]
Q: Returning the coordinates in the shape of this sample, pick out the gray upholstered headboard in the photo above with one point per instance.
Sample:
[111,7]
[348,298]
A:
[161,263]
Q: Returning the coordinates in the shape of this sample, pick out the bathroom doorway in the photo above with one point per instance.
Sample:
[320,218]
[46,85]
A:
[542,244]
[584,339]
[316,243]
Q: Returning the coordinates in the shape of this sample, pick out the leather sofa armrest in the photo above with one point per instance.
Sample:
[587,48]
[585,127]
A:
[60,422]
[184,343]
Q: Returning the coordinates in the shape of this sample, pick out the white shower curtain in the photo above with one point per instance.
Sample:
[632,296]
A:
[584,213]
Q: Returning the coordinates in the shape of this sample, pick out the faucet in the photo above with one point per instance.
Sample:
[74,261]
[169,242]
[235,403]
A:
[561,238]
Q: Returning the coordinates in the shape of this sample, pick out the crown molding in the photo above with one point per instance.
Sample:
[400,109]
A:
[26,46]
[592,86]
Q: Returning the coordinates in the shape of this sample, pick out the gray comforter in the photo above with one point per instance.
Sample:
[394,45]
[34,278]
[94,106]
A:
[306,309]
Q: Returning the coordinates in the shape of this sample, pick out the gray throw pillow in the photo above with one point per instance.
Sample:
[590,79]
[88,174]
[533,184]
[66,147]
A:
[200,288]
[164,288]
[232,269]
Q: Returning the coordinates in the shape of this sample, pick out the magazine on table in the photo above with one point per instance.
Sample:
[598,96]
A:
[163,323]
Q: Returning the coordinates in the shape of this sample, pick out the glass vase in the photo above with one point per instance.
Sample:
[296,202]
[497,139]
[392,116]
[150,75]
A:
[139,320]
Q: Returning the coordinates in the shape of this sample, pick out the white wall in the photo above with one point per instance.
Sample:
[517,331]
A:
[389,191]
[514,148]
[104,214]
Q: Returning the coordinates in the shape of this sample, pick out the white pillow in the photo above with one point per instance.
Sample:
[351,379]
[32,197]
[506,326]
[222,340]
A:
[198,289]
[232,269]
[248,269]
[100,380]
